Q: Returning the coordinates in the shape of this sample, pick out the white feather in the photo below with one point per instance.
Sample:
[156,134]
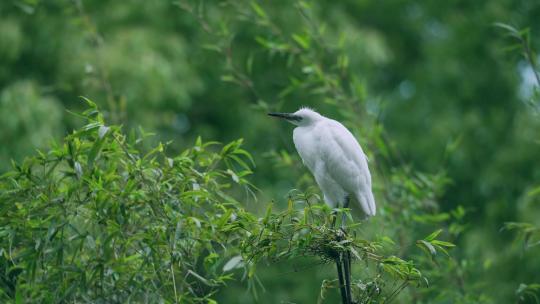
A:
[335,159]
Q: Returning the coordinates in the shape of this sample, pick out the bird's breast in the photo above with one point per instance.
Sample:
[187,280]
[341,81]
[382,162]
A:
[307,143]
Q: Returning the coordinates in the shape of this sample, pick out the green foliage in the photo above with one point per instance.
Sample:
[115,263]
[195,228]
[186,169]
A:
[97,218]
[307,229]
[529,291]
[527,232]
[28,121]
[522,42]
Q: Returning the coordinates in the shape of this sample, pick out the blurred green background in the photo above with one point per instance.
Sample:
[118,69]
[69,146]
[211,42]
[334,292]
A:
[435,76]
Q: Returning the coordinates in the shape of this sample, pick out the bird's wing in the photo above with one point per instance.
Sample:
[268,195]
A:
[347,164]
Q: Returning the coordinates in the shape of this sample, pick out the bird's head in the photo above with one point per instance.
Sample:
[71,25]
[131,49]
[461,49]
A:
[302,117]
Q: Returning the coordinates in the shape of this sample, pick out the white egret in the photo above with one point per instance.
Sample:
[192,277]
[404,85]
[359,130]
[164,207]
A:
[334,157]
[340,168]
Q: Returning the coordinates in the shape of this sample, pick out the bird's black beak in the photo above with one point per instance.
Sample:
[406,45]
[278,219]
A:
[287,116]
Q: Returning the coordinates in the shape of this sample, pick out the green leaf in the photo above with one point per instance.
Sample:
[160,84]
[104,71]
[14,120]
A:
[433,235]
[258,9]
[534,192]
[233,175]
[90,103]
[233,263]
[94,152]
[423,244]
[78,169]
[200,278]
[301,40]
[443,243]
[102,131]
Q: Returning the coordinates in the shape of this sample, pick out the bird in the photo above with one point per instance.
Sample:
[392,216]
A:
[334,157]
[340,167]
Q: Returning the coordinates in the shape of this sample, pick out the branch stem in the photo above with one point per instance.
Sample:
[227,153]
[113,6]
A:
[342,289]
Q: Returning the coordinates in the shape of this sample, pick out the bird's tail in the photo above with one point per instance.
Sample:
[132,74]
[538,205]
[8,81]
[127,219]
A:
[367,201]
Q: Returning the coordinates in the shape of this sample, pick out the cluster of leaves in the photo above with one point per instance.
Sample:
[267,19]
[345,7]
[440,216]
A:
[527,233]
[96,218]
[307,228]
[315,67]
[521,41]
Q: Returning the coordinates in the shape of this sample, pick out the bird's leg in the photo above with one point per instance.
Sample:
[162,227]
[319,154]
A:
[346,255]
